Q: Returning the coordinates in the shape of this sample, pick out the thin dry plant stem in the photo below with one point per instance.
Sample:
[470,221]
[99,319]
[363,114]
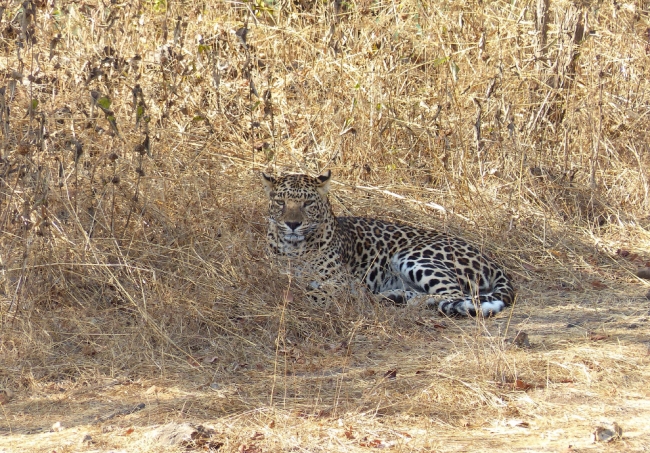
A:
[279,340]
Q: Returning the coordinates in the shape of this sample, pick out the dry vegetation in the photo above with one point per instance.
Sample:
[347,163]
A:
[132,248]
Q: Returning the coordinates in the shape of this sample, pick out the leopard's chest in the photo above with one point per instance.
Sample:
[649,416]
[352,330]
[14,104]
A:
[315,258]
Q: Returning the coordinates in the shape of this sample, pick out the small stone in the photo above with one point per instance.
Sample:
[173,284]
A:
[521,340]
[173,434]
[643,272]
[609,434]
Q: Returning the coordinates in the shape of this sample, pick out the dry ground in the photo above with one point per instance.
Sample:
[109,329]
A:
[135,294]
[424,385]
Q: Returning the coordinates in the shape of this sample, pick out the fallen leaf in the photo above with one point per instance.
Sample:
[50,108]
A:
[5,396]
[390,374]
[257,436]
[597,284]
[593,336]
[193,362]
[209,359]
[348,433]
[272,424]
[128,431]
[521,385]
[630,256]
[245,448]
[375,443]
[594,365]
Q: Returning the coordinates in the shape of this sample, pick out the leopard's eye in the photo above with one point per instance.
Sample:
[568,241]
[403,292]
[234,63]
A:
[308,203]
[279,202]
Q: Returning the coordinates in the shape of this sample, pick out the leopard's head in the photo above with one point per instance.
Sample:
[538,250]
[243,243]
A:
[300,214]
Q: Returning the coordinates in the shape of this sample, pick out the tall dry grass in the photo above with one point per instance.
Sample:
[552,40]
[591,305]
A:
[132,221]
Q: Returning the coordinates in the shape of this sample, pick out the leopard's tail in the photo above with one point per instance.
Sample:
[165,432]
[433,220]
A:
[488,304]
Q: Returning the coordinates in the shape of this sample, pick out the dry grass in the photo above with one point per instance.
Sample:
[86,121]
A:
[132,247]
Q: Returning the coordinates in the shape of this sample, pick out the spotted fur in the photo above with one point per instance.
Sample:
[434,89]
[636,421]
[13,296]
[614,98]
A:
[399,262]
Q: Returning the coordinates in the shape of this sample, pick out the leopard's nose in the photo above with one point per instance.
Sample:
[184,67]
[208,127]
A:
[293,225]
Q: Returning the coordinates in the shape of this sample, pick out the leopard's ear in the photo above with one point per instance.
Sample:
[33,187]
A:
[269,182]
[324,183]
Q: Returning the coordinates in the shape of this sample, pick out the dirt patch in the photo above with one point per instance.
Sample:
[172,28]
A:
[445,385]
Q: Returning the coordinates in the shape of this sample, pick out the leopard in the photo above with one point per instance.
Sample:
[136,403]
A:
[399,263]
